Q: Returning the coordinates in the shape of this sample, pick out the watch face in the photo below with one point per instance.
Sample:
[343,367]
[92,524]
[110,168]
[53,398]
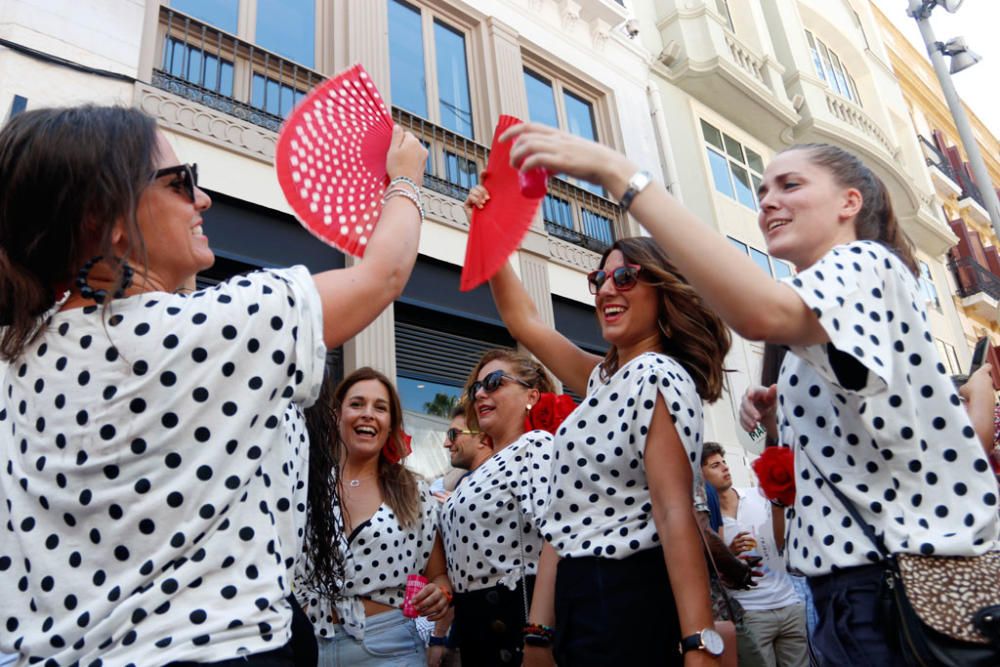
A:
[712,641]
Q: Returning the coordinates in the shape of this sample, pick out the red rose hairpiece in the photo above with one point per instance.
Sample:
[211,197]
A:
[549,412]
[398,447]
[775,469]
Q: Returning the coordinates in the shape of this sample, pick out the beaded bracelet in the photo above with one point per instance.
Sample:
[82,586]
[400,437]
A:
[536,634]
[390,194]
[403,180]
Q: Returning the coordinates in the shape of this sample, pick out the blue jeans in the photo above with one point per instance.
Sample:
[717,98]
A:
[851,630]
[391,639]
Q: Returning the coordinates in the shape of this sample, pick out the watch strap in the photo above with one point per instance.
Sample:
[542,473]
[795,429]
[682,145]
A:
[636,184]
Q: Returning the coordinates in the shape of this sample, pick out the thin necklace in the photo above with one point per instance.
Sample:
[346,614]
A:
[354,483]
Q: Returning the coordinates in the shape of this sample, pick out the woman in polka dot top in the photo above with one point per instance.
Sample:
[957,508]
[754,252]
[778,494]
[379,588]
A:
[631,580]
[490,522]
[389,521]
[148,494]
[862,391]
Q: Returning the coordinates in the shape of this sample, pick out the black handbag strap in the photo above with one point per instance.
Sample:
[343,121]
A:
[869,532]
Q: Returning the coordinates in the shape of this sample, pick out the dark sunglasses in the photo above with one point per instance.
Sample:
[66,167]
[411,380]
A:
[491,383]
[453,433]
[624,278]
[187,174]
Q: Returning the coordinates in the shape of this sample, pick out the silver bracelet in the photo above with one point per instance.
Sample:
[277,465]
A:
[390,194]
[416,193]
[403,180]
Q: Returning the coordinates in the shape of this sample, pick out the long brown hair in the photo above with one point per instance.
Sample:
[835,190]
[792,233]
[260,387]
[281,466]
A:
[689,332]
[876,221]
[525,368]
[66,177]
[397,483]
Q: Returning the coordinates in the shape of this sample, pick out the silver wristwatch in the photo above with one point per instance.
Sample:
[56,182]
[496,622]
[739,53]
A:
[636,184]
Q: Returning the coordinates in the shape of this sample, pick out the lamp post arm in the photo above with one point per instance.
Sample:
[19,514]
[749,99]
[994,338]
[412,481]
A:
[920,12]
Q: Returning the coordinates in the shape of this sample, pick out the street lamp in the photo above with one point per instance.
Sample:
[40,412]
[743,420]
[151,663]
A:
[961,58]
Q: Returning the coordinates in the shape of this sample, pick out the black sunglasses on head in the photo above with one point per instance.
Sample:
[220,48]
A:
[187,175]
[491,383]
[624,278]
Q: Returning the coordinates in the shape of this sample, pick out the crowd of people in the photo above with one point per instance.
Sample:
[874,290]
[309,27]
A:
[183,484]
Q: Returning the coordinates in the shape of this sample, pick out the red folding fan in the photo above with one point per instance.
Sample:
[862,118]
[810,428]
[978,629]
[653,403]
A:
[330,160]
[496,229]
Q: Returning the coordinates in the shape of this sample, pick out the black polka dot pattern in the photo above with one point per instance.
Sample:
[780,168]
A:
[491,522]
[150,508]
[378,555]
[898,443]
[600,504]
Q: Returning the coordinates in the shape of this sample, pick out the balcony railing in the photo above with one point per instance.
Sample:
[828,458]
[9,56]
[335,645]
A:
[223,72]
[935,158]
[454,163]
[852,114]
[973,278]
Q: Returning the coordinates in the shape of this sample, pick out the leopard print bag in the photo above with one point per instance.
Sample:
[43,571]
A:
[947,593]
[944,611]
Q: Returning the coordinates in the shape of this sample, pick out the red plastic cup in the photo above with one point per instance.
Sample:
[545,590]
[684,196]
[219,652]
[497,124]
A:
[534,182]
[414,584]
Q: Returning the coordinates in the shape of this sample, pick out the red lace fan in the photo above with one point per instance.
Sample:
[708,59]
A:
[497,228]
[330,160]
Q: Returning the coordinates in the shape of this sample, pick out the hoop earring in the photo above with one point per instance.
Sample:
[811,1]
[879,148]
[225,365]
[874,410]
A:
[100,295]
[663,328]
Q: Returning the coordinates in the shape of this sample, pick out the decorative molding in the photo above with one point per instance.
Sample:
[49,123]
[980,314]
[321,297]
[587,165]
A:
[571,255]
[600,32]
[444,209]
[201,122]
[375,345]
[569,12]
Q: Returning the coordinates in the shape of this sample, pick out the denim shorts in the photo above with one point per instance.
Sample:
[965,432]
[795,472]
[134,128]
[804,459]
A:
[390,639]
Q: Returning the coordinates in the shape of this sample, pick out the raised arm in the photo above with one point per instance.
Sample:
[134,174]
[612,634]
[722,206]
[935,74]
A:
[353,297]
[567,361]
[750,301]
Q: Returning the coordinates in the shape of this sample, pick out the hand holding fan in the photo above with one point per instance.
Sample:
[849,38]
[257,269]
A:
[496,229]
[330,160]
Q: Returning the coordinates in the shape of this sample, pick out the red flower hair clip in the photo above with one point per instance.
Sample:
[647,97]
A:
[775,469]
[397,447]
[549,412]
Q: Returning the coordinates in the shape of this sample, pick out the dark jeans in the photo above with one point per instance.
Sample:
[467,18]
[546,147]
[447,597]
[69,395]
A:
[852,628]
[300,651]
[616,612]
[488,625]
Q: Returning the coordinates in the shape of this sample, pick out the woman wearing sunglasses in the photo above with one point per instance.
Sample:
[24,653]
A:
[631,582]
[389,519]
[155,488]
[866,404]
[489,523]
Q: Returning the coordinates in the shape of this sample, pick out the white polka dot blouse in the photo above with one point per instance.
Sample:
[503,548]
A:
[379,554]
[600,504]
[877,410]
[489,524]
[148,509]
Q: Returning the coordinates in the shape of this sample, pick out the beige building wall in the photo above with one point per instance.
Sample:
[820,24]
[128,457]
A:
[975,301]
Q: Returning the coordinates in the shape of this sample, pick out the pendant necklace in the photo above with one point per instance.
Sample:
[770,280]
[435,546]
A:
[355,483]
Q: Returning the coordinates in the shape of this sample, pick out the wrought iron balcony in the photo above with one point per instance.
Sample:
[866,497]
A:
[973,278]
[223,72]
[571,212]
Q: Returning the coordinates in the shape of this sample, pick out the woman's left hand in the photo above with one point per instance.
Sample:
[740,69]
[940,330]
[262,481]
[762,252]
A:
[431,602]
